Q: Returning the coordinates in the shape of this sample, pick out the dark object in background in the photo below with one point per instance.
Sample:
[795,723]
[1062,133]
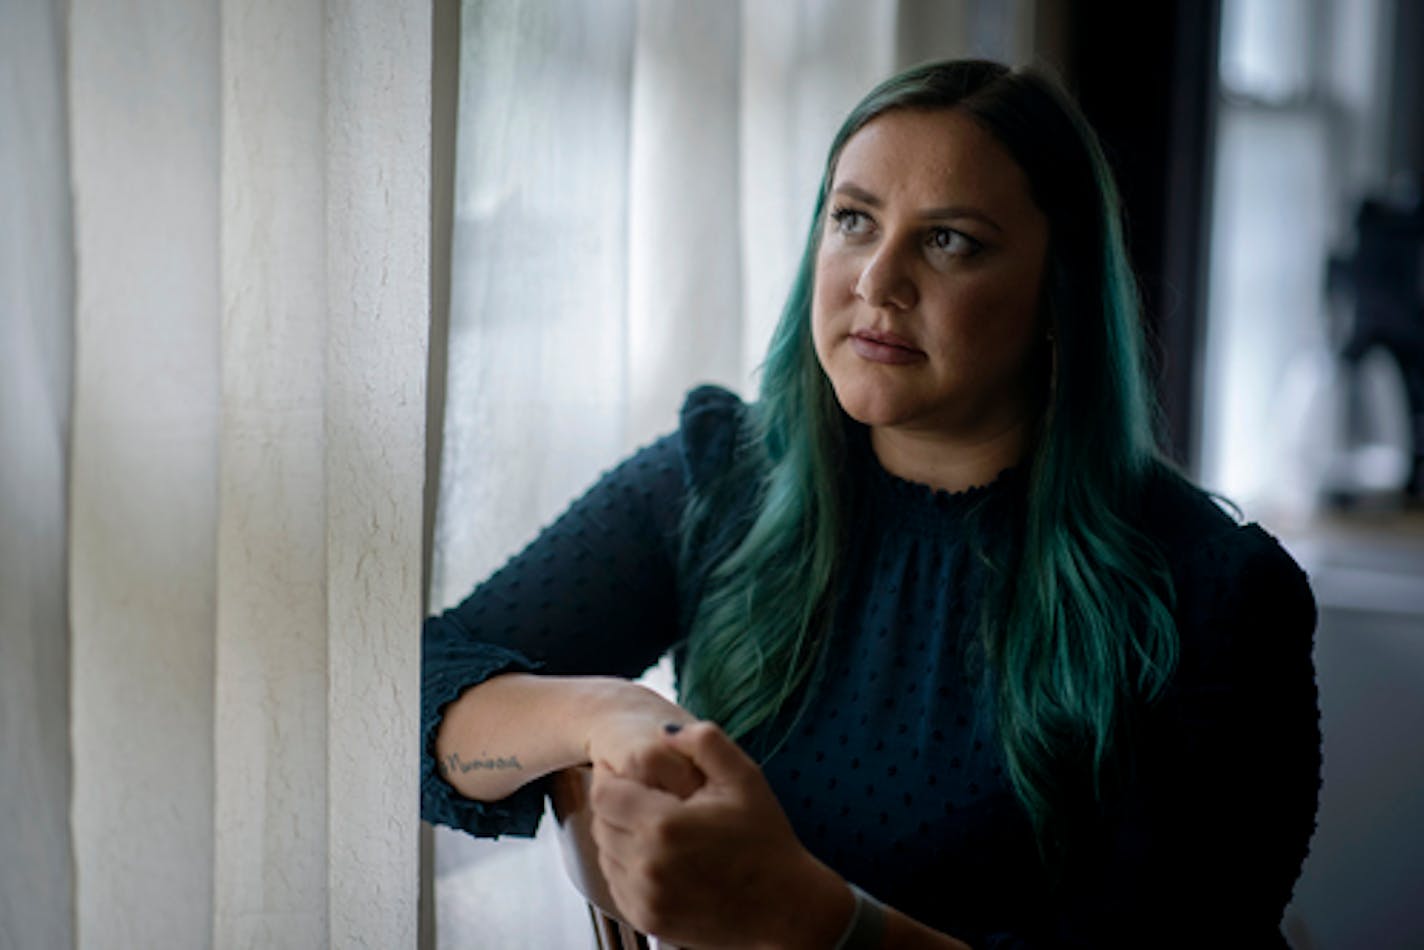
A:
[1385,278]
[1152,100]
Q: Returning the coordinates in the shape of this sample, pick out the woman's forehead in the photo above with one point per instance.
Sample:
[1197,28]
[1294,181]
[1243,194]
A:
[934,157]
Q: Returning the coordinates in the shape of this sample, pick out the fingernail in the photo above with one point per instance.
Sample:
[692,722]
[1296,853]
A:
[672,728]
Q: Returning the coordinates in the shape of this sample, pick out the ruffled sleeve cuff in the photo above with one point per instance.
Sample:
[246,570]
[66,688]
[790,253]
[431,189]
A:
[450,664]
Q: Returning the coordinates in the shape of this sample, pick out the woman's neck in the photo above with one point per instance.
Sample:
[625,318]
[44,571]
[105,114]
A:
[944,462]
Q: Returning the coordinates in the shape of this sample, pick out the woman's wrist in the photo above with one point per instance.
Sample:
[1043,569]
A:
[606,698]
[866,929]
[814,910]
[819,910]
[516,727]
[602,697]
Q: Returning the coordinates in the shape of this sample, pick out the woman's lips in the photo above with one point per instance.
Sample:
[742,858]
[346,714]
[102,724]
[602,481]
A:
[878,347]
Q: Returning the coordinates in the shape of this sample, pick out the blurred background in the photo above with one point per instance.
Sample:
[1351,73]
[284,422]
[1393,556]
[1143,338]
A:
[618,190]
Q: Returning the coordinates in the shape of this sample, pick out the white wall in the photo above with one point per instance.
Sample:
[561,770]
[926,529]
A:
[37,340]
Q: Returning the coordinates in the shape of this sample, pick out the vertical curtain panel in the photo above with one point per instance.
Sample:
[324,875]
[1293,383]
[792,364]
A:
[251,225]
[144,133]
[36,383]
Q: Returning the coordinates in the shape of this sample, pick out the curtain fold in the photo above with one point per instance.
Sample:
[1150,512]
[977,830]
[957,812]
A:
[37,340]
[683,261]
[803,67]
[143,495]
[252,225]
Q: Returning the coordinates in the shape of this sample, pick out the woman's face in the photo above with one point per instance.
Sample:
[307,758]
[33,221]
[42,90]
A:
[926,312]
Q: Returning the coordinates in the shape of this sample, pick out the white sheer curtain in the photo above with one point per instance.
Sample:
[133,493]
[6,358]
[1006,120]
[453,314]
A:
[213,314]
[634,183]
[36,383]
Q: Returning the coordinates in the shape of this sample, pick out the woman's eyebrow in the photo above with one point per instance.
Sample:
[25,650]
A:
[851,190]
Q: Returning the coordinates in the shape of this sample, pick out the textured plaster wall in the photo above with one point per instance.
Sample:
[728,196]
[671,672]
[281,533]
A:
[37,349]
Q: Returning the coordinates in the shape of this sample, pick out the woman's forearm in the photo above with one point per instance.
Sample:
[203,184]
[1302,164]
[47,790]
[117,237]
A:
[514,728]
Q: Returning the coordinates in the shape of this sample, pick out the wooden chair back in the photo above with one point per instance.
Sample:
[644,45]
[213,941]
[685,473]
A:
[570,794]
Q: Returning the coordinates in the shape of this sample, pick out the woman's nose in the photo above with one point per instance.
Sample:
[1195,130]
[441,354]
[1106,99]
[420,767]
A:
[885,280]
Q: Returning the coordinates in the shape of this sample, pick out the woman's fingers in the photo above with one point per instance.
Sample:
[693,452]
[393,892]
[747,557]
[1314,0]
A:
[711,753]
[645,757]
[634,829]
[666,769]
[675,864]
[626,804]
[626,737]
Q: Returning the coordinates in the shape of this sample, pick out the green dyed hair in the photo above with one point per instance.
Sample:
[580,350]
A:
[1077,624]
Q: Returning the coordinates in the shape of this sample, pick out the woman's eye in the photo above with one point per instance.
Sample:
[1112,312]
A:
[952,242]
[849,221]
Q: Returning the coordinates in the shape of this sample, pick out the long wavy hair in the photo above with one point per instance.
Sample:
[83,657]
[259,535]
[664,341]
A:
[1077,624]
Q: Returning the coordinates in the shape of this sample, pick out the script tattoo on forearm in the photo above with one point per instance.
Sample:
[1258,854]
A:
[453,763]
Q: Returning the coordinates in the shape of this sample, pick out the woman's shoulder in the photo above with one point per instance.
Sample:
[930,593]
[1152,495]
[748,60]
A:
[1180,516]
[1194,529]
[711,424]
[1236,586]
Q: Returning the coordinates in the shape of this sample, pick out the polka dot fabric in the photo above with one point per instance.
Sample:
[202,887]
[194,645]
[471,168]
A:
[894,768]
[893,775]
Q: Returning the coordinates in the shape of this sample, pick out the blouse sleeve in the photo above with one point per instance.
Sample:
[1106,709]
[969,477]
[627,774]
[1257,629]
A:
[1205,843]
[595,593]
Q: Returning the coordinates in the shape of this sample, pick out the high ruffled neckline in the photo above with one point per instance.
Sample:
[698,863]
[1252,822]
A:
[910,503]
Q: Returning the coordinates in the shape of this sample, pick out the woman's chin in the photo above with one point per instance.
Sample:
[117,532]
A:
[874,409]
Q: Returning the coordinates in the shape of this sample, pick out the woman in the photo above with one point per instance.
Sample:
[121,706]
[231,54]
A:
[970,645]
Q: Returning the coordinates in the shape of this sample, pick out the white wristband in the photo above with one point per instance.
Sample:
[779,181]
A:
[866,929]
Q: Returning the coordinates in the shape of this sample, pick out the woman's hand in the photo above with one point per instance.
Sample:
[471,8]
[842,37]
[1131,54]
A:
[720,867]
[626,737]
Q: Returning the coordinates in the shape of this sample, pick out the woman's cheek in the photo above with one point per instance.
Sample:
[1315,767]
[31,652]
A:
[823,320]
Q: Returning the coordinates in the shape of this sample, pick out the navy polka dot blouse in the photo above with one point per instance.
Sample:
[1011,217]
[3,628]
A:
[893,775]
